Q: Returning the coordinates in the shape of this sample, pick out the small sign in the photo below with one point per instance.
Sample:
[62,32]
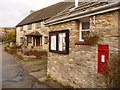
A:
[53,42]
[102,58]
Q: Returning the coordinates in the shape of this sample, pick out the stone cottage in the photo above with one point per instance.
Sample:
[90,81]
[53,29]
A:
[31,30]
[72,61]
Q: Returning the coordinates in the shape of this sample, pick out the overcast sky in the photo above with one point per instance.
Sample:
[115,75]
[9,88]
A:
[13,11]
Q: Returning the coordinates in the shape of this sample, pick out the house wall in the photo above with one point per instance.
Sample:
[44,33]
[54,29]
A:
[42,30]
[79,68]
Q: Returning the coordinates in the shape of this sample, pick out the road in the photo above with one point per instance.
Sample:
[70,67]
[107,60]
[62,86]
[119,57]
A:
[14,76]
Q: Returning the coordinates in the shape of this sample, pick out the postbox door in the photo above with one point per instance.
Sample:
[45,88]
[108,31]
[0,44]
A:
[103,58]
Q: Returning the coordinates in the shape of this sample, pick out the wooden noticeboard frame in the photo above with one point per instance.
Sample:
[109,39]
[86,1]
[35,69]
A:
[56,33]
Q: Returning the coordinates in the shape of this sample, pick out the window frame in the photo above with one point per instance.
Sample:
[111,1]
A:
[46,40]
[29,27]
[56,33]
[38,26]
[82,30]
[21,39]
[21,28]
[28,38]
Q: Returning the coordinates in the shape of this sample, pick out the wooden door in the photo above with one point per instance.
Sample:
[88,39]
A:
[33,41]
[37,41]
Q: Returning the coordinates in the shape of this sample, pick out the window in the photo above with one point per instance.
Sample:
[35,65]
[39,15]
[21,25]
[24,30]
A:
[21,28]
[21,39]
[45,40]
[84,30]
[59,41]
[38,25]
[29,26]
[29,39]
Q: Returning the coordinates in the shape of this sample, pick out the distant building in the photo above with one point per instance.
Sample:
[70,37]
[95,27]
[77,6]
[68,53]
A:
[4,31]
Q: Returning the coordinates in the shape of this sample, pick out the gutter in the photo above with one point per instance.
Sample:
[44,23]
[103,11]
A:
[98,10]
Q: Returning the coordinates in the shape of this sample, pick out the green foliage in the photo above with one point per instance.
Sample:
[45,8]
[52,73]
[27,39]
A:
[44,58]
[39,54]
[37,70]
[11,37]
[12,51]
[0,39]
[48,76]
[42,63]
[30,59]
[9,50]
[113,77]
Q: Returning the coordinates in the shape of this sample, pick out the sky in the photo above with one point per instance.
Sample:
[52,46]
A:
[13,11]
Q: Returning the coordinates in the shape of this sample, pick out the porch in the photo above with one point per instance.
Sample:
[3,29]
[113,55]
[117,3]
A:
[34,41]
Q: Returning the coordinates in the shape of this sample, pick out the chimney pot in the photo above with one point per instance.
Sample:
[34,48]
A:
[76,3]
[31,11]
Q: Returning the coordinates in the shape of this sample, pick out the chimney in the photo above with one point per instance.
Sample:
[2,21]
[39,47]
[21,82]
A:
[31,11]
[76,3]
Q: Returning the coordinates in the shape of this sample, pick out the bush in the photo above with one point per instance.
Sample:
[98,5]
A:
[9,50]
[112,78]
[38,54]
[12,51]
[19,56]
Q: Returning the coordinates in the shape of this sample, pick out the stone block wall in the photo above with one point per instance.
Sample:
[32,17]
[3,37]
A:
[79,68]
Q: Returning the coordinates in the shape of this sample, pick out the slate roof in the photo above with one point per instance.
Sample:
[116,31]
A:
[35,33]
[82,6]
[45,13]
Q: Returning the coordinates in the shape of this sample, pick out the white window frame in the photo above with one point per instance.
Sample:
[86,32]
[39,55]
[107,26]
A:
[81,30]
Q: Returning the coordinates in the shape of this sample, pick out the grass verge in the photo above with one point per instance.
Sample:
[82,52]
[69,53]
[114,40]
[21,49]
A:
[37,70]
[34,59]
[42,63]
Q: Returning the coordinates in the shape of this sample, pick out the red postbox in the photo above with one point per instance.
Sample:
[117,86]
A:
[103,53]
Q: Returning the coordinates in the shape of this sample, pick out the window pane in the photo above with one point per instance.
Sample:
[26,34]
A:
[37,25]
[21,39]
[21,28]
[84,33]
[30,26]
[45,40]
[29,39]
[85,25]
[53,42]
[62,43]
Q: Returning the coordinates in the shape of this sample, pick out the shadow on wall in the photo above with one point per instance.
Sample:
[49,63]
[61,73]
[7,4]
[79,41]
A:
[114,64]
[119,41]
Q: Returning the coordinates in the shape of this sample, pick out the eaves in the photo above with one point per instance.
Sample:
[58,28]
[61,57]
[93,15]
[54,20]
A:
[99,10]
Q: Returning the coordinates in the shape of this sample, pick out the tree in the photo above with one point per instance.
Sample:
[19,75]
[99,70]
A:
[11,37]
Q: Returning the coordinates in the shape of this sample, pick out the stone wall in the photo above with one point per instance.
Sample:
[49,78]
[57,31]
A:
[79,68]
[42,30]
